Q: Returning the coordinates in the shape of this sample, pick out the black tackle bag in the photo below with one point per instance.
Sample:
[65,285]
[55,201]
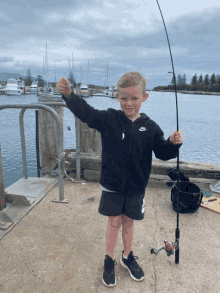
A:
[190,195]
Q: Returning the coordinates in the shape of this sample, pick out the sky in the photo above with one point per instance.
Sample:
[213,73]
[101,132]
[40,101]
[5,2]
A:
[129,35]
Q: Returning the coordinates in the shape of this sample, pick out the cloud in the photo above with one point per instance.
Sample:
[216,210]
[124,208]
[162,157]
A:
[6,59]
[128,35]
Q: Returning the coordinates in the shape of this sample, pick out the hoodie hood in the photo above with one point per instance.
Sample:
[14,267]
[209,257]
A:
[124,117]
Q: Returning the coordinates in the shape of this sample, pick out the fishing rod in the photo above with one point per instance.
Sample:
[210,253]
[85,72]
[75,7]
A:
[169,246]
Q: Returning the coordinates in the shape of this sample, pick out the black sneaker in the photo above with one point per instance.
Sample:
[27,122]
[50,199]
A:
[109,279]
[132,266]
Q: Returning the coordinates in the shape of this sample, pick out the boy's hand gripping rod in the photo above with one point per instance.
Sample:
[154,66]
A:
[169,246]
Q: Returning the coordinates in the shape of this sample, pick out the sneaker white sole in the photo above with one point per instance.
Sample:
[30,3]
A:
[110,285]
[124,266]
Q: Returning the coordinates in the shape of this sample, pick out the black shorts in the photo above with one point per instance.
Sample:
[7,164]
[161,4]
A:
[115,204]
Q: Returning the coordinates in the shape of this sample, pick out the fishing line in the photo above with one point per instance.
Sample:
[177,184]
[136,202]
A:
[168,245]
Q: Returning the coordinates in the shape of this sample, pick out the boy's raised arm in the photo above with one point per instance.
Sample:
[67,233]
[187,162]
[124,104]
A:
[80,108]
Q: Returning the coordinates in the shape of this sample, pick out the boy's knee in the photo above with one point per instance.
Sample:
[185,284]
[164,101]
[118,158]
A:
[127,219]
[115,222]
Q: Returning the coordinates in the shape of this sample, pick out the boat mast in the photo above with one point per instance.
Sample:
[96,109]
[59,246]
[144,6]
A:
[88,74]
[55,73]
[43,68]
[107,74]
[46,66]
[72,69]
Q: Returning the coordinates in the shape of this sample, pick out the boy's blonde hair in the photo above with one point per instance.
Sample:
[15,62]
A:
[133,78]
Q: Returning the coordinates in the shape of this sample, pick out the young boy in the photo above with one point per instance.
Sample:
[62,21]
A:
[128,139]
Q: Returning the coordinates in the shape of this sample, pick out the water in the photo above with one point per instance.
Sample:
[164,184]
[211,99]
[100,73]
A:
[198,120]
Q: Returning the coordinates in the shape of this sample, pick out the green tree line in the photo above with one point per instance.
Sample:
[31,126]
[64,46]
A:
[206,83]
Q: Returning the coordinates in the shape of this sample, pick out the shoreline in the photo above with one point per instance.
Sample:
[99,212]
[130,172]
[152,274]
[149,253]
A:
[189,92]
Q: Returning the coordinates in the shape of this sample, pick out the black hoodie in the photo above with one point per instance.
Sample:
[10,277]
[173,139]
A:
[126,146]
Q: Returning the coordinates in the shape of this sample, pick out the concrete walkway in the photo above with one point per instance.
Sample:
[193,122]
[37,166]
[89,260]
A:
[61,247]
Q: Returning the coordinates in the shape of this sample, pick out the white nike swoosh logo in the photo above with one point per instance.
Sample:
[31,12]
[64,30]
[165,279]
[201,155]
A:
[143,129]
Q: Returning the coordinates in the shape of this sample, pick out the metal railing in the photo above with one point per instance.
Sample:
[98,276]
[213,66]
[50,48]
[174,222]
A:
[46,107]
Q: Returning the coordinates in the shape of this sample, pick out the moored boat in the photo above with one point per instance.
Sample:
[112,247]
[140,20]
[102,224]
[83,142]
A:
[112,91]
[21,85]
[12,87]
[34,88]
[2,90]
[54,92]
[83,90]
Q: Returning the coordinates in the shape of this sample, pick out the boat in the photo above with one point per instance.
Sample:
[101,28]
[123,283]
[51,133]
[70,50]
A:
[99,94]
[112,91]
[2,90]
[54,92]
[12,87]
[34,88]
[21,85]
[48,91]
[83,90]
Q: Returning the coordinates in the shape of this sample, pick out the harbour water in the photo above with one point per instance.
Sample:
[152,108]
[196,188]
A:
[198,120]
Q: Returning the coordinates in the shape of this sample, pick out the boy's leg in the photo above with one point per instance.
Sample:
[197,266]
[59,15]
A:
[127,234]
[134,205]
[114,225]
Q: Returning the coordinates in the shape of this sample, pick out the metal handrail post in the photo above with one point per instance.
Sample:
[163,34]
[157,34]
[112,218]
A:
[60,142]
[21,121]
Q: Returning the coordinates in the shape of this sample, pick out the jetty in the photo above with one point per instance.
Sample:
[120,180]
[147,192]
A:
[52,238]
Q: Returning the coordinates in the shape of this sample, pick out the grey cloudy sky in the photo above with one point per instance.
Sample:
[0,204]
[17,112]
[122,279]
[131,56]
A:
[129,35]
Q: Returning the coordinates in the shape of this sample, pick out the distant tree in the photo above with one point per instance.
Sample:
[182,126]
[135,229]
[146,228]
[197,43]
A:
[194,80]
[213,79]
[71,79]
[40,81]
[29,78]
[218,79]
[184,79]
[201,80]
[172,80]
[206,80]
[179,80]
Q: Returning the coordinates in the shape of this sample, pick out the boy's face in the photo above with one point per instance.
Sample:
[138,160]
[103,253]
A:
[131,99]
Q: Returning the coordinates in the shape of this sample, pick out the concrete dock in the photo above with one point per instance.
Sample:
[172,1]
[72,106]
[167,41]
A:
[61,247]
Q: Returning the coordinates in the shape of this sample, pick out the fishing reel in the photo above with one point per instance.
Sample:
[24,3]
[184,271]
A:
[169,248]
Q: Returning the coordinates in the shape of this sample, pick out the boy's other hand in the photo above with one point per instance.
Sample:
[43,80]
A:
[176,137]
[63,87]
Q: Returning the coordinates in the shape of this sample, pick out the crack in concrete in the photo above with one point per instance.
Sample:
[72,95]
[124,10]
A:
[155,271]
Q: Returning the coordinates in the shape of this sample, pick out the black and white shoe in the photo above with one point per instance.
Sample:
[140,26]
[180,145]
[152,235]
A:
[109,279]
[132,266]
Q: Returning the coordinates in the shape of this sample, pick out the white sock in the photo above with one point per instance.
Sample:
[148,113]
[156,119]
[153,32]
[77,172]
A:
[125,256]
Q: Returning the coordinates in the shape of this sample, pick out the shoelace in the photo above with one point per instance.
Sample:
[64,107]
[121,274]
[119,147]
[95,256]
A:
[109,265]
[133,262]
